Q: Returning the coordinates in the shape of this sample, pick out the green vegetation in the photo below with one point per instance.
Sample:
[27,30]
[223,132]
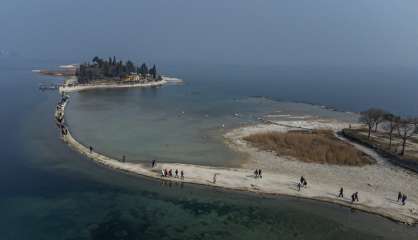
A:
[115,70]
[318,146]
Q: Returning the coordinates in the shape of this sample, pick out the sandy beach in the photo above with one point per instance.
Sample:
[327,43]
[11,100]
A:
[377,184]
[68,88]
[83,87]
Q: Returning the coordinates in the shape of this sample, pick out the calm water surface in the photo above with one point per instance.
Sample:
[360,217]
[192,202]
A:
[175,123]
[49,192]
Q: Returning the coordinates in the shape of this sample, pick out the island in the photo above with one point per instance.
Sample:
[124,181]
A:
[110,73]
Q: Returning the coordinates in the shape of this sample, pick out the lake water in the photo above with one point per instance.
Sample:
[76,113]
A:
[50,192]
[176,123]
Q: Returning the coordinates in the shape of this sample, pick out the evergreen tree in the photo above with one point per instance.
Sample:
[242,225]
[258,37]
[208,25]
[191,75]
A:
[143,69]
[153,72]
[130,67]
[111,69]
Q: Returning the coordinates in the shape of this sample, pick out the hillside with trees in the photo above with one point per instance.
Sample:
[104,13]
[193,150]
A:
[112,69]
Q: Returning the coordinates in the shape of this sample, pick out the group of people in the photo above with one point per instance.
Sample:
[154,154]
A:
[354,197]
[60,118]
[169,173]
[402,198]
[302,183]
[64,130]
[257,173]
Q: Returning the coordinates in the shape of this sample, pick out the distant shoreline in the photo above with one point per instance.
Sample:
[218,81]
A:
[271,183]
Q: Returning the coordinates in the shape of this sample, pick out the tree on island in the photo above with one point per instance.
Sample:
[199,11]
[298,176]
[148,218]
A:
[153,72]
[143,69]
[112,69]
[130,67]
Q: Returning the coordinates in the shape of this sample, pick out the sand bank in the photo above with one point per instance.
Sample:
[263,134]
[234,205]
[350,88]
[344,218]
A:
[83,87]
[67,88]
[377,184]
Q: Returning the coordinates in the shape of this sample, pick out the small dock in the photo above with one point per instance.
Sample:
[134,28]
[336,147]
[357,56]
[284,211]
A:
[51,86]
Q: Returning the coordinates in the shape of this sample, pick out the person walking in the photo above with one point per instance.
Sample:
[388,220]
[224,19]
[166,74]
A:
[182,174]
[177,173]
[341,195]
[259,173]
[299,185]
[404,197]
[356,196]
[256,173]
[214,178]
[91,149]
[399,196]
[353,197]
[302,180]
[153,163]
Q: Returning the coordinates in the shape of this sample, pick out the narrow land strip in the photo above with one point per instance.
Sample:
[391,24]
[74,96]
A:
[377,184]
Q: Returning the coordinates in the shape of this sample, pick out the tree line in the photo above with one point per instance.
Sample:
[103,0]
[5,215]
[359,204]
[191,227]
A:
[393,125]
[111,68]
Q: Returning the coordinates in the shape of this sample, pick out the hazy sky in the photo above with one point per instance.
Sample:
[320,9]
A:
[284,32]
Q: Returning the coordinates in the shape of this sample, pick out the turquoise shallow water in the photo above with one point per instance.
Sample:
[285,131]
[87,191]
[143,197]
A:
[175,123]
[47,191]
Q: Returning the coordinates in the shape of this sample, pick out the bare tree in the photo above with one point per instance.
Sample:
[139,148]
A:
[372,118]
[379,117]
[391,123]
[366,117]
[406,128]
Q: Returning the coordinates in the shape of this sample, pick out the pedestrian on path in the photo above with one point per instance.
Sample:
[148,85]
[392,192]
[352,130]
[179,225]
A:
[341,195]
[404,197]
[399,196]
[214,178]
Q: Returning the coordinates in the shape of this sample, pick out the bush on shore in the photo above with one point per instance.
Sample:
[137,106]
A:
[318,146]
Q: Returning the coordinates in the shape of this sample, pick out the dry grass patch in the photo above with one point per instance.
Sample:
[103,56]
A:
[319,146]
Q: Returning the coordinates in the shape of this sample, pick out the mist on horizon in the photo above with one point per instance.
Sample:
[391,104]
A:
[326,32]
